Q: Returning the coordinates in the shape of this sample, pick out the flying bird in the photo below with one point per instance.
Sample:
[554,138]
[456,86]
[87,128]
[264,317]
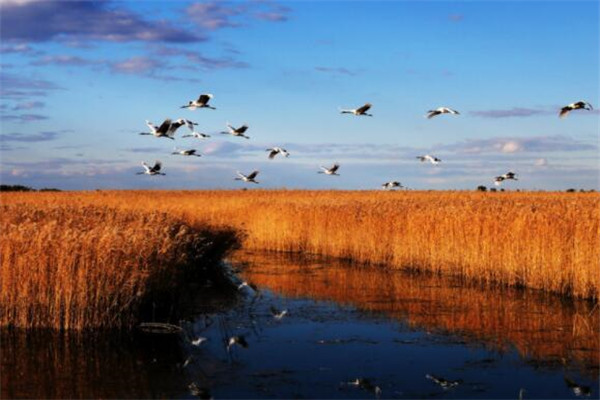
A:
[444,383]
[239,340]
[247,178]
[277,150]
[510,175]
[579,390]
[164,130]
[201,102]
[431,159]
[330,171]
[507,176]
[180,122]
[359,111]
[580,105]
[197,135]
[237,131]
[440,110]
[367,385]
[247,284]
[198,341]
[154,170]
[391,185]
[190,152]
[278,314]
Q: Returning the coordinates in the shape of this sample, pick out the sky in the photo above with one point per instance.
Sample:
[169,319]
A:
[78,80]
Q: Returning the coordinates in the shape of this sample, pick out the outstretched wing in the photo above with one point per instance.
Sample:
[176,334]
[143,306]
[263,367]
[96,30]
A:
[273,153]
[253,175]
[564,111]
[363,109]
[334,168]
[204,98]
[157,166]
[165,126]
[433,113]
[242,129]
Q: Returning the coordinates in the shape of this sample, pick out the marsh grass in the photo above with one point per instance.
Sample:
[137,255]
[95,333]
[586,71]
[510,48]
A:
[69,266]
[78,259]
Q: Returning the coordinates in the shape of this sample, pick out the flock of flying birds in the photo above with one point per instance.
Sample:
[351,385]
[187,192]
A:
[168,128]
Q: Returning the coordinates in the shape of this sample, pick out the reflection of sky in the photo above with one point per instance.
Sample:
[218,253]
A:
[77,89]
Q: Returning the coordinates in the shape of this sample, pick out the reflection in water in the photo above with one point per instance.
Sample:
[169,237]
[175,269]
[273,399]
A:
[50,365]
[317,328]
[543,328]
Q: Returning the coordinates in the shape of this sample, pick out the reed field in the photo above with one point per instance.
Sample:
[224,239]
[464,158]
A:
[90,266]
[79,252]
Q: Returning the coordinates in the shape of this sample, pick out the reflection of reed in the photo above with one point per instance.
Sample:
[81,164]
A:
[44,364]
[542,328]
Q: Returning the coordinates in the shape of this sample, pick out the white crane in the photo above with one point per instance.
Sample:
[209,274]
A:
[580,105]
[330,171]
[197,135]
[190,152]
[236,131]
[507,176]
[154,170]
[278,314]
[178,123]
[164,130]
[359,111]
[277,150]
[239,340]
[440,110]
[444,383]
[391,184]
[201,102]
[247,178]
[430,158]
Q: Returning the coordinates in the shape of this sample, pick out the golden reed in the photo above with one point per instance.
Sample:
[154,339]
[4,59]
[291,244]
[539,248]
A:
[546,241]
[88,266]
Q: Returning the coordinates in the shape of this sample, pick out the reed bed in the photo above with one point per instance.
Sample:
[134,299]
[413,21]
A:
[74,266]
[541,240]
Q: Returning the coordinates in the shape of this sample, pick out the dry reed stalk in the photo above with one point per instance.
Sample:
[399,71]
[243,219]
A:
[76,266]
[547,241]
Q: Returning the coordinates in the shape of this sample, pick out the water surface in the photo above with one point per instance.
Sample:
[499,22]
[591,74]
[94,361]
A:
[342,323]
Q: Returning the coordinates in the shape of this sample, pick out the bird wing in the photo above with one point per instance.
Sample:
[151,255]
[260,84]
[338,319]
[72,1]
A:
[363,109]
[334,168]
[564,111]
[252,175]
[273,153]
[146,167]
[190,124]
[432,113]
[157,166]
[151,126]
[165,126]
[204,98]
[242,129]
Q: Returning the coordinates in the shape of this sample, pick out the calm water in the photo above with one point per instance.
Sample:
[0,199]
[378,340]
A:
[342,323]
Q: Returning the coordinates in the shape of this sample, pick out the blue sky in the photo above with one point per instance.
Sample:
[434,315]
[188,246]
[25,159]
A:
[79,79]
